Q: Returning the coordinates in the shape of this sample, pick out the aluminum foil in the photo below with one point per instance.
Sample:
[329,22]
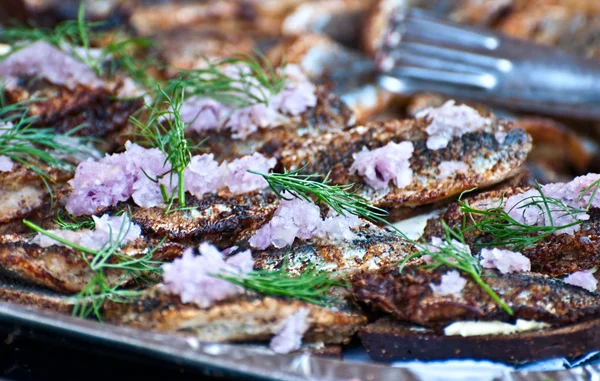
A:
[257,362]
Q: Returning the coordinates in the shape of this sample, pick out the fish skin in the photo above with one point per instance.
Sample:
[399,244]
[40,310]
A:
[222,219]
[23,192]
[371,248]
[329,114]
[409,297]
[554,255]
[63,269]
[453,217]
[189,49]
[98,110]
[490,161]
[243,318]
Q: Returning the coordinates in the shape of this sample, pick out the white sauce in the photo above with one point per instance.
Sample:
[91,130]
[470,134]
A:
[480,328]
[4,49]
[415,226]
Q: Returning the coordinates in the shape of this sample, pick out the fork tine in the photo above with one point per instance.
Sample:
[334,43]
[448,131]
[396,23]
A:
[435,31]
[482,81]
[470,61]
[405,58]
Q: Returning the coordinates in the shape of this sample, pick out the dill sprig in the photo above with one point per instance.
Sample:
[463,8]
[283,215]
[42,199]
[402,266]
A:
[453,252]
[340,198]
[31,146]
[98,290]
[165,130]
[504,230]
[311,286]
[240,81]
[68,222]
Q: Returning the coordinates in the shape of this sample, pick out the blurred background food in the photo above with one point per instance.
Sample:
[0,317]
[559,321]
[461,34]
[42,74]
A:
[332,40]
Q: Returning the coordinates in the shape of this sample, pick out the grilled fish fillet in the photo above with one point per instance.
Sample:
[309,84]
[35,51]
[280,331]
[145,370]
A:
[372,248]
[391,340]
[63,269]
[490,162]
[409,297]
[554,255]
[338,19]
[556,149]
[254,17]
[223,220]
[97,112]
[244,318]
[191,48]
[329,114]
[570,25]
[22,191]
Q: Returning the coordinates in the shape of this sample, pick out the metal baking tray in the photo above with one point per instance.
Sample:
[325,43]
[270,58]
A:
[257,362]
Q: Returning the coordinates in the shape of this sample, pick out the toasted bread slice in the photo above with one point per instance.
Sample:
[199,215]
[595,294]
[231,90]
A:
[391,340]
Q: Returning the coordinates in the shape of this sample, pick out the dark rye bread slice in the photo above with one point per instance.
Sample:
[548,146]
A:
[390,340]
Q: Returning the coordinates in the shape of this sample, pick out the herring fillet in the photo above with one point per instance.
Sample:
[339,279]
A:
[554,255]
[329,114]
[222,219]
[490,161]
[371,248]
[91,112]
[408,297]
[63,269]
[244,318]
[23,191]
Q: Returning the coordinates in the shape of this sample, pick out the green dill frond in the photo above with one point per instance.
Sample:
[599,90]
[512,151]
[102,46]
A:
[312,285]
[123,54]
[240,81]
[454,253]
[165,130]
[68,222]
[32,146]
[93,296]
[340,198]
[504,230]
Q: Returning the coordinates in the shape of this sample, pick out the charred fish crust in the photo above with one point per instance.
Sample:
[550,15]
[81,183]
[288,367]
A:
[94,112]
[563,254]
[329,114]
[409,297]
[243,318]
[63,269]
[489,160]
[553,255]
[371,248]
[453,216]
[24,193]
[220,219]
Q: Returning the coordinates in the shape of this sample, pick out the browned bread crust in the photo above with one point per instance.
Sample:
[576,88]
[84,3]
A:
[389,340]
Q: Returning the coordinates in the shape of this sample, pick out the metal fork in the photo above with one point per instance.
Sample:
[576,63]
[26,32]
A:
[422,53]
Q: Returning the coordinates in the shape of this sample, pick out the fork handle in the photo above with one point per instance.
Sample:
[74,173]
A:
[471,63]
